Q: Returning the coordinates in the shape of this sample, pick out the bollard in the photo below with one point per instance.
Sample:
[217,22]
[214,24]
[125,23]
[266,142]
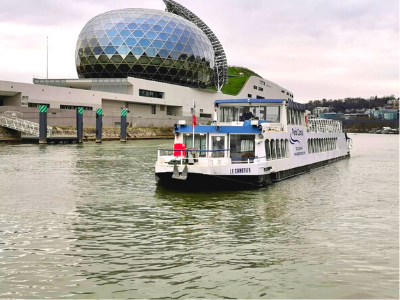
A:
[99,124]
[124,112]
[42,124]
[79,124]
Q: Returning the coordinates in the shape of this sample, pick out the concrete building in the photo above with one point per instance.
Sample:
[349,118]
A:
[150,102]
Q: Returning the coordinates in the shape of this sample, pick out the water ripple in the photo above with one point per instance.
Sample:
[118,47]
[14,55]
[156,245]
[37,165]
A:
[89,222]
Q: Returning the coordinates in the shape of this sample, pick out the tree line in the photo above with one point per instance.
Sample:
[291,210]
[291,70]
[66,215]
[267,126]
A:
[340,105]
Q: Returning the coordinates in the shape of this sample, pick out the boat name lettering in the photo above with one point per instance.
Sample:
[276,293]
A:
[240,170]
[300,153]
[297,131]
[299,148]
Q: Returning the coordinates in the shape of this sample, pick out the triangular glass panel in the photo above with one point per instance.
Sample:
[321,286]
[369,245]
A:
[157,28]
[168,29]
[93,42]
[108,26]
[145,27]
[157,44]
[138,33]
[104,41]
[151,34]
[123,50]
[131,42]
[137,51]
[151,51]
[117,20]
[112,33]
[177,31]
[100,33]
[110,50]
[144,43]
[120,26]
[174,38]
[125,33]
[128,20]
[90,35]
[163,53]
[117,41]
[163,36]
[97,50]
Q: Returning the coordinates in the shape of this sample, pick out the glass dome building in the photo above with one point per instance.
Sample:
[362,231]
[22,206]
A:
[145,43]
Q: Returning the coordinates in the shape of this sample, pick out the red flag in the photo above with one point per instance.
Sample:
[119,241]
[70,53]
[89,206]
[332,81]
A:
[194,121]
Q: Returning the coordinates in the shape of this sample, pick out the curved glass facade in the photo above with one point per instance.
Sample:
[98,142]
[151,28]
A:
[145,43]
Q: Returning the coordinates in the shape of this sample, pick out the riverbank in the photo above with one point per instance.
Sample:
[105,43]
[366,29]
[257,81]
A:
[89,133]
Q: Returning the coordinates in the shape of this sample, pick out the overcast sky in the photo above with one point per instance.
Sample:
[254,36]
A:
[315,48]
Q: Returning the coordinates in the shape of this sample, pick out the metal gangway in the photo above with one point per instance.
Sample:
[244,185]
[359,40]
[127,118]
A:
[13,120]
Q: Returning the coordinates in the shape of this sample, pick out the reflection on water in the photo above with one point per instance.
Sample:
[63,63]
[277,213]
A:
[89,222]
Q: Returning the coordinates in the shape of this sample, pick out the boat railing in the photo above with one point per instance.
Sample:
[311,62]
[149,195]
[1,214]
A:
[203,157]
[318,125]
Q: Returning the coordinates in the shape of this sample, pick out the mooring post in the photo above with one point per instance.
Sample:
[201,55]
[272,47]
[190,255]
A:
[124,112]
[79,125]
[42,124]
[99,124]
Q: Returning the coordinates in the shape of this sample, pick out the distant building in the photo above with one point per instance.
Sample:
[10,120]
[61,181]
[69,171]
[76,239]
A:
[319,110]
[331,115]
[387,114]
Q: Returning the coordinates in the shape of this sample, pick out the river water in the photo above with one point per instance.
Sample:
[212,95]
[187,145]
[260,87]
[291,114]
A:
[88,221]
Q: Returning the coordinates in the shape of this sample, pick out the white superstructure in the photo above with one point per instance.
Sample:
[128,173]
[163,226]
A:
[252,142]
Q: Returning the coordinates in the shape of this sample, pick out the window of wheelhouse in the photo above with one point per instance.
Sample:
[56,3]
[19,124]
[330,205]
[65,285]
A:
[200,142]
[242,146]
[235,113]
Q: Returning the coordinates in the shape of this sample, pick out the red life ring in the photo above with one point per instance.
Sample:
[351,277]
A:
[306,119]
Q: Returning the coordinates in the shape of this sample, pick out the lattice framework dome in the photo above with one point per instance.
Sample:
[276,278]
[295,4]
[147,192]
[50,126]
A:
[145,43]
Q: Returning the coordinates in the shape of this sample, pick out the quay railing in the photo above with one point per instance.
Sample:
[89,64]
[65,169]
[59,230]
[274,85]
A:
[13,120]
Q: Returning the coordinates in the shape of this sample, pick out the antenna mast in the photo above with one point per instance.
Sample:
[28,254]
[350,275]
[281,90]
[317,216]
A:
[47,76]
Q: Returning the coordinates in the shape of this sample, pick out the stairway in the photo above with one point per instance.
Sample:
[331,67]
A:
[13,120]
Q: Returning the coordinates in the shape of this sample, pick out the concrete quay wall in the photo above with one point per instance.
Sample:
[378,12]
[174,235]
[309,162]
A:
[64,117]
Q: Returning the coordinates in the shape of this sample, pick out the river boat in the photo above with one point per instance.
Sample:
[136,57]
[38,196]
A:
[250,143]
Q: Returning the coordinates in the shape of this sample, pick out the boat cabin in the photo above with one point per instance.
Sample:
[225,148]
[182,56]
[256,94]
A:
[237,129]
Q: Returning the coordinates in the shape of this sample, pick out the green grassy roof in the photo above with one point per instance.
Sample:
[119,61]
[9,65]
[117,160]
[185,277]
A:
[235,81]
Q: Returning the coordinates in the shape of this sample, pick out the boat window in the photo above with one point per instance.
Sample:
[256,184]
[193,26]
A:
[252,109]
[273,150]
[287,148]
[241,146]
[200,143]
[283,150]
[273,114]
[288,116]
[278,149]
[218,143]
[235,113]
[226,114]
[267,150]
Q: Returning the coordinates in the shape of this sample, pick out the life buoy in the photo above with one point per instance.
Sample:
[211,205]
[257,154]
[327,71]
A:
[306,119]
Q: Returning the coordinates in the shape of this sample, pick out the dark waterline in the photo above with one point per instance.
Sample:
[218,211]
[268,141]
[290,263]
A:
[89,222]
